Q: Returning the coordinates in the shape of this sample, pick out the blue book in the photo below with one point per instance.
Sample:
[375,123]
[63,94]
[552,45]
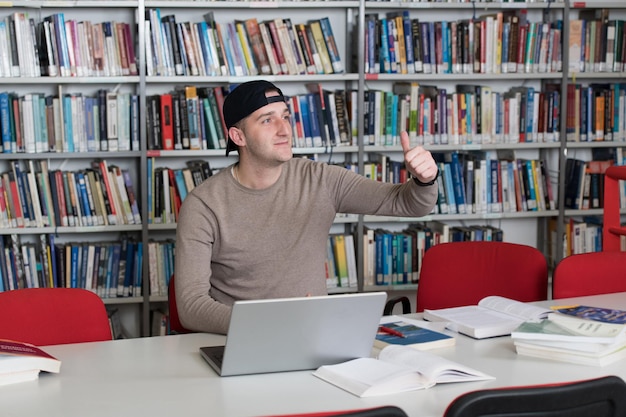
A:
[61,44]
[384,54]
[134,122]
[432,46]
[84,199]
[449,188]
[306,120]
[408,41]
[530,183]
[68,143]
[406,334]
[128,273]
[331,45]
[83,250]
[138,270]
[74,249]
[150,164]
[120,276]
[399,273]
[5,123]
[113,269]
[446,60]
[457,180]
[314,121]
[392,43]
[530,121]
[180,184]
[493,184]
[205,46]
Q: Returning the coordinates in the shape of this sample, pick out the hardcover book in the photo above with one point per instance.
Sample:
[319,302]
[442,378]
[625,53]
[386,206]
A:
[22,362]
[411,335]
[493,316]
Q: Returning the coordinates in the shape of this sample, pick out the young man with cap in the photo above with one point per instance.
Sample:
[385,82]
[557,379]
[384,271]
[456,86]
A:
[258,229]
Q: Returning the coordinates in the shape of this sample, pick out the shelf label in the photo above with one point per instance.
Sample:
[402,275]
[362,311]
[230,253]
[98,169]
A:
[371,76]
[579,5]
[153,153]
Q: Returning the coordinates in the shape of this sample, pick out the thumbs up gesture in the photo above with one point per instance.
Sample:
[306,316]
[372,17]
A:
[418,161]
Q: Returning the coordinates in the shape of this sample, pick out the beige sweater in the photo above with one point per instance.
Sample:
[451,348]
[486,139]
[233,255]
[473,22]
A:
[234,243]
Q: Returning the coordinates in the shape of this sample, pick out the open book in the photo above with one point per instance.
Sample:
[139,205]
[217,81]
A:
[397,369]
[493,316]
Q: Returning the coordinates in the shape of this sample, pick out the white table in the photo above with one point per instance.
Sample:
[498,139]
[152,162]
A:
[165,376]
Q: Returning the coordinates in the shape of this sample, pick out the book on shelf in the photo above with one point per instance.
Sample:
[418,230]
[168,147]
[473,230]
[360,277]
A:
[493,316]
[397,369]
[411,334]
[20,362]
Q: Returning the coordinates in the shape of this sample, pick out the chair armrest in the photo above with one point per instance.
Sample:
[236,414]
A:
[391,303]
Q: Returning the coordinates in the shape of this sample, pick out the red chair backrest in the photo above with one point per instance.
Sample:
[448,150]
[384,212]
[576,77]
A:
[175,324]
[613,231]
[589,274]
[53,316]
[462,273]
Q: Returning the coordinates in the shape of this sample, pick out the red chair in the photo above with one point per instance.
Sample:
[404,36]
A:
[601,397]
[613,230]
[175,324]
[589,274]
[462,273]
[53,316]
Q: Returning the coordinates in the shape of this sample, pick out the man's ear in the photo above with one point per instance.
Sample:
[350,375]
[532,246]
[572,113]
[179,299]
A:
[236,135]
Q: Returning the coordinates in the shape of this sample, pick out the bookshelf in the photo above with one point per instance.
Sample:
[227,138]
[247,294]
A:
[591,79]
[349,20]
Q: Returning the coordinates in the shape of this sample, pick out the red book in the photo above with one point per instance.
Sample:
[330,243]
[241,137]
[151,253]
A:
[174,193]
[15,196]
[17,117]
[58,177]
[104,173]
[167,123]
[23,362]
[130,50]
[122,48]
[277,48]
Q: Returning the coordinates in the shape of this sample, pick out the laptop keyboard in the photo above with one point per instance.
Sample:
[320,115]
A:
[215,354]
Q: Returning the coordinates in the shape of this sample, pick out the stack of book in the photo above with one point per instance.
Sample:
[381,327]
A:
[21,362]
[577,334]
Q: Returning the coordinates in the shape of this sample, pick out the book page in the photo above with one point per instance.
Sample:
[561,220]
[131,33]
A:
[366,377]
[433,367]
[514,308]
[470,318]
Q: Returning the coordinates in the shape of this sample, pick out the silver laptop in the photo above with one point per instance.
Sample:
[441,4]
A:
[290,334]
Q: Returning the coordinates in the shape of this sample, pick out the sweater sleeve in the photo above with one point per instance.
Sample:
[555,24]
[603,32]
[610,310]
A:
[195,236]
[356,194]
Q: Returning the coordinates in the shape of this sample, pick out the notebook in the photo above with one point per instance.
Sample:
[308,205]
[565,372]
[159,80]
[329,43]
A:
[290,334]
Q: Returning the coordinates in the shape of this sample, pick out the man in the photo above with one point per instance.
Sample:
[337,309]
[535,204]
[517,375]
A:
[258,228]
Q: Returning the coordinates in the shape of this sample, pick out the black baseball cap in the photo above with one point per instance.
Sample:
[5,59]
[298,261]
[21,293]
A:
[245,100]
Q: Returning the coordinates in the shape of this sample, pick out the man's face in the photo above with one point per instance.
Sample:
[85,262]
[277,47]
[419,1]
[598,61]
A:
[268,133]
